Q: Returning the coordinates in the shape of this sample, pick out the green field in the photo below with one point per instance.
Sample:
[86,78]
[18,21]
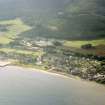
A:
[75,46]
[15,27]
[78,44]
[10,50]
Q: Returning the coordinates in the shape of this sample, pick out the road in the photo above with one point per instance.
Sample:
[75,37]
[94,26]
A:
[23,86]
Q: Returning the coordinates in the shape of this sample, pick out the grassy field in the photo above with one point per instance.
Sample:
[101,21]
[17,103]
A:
[75,46]
[15,27]
[78,44]
[9,50]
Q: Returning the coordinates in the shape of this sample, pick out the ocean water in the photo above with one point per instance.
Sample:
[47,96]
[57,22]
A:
[20,86]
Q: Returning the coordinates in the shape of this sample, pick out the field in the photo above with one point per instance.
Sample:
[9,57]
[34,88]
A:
[75,46]
[78,44]
[9,31]
[14,28]
[17,51]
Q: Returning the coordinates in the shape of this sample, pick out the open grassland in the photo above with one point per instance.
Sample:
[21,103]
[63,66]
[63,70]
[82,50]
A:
[78,44]
[75,46]
[9,50]
[15,27]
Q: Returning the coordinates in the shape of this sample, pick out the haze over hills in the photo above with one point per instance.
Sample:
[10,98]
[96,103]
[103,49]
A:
[30,10]
[26,6]
[74,19]
[85,19]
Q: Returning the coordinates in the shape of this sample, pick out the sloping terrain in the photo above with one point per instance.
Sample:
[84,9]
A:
[11,29]
[74,19]
[84,19]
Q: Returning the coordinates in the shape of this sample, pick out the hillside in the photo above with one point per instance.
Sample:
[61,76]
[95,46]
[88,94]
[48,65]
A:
[73,19]
[84,19]
[32,8]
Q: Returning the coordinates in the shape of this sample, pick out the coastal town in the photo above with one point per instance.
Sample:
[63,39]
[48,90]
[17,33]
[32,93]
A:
[53,56]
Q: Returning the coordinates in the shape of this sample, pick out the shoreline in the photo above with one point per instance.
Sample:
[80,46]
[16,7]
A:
[58,74]
[7,63]
[4,63]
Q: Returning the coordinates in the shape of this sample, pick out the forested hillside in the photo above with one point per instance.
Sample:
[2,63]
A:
[84,19]
[73,19]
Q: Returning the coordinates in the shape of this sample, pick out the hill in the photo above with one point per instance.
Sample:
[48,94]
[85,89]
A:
[73,19]
[84,19]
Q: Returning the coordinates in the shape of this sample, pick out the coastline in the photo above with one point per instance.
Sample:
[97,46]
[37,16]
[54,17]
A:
[7,63]
[59,74]
[4,63]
